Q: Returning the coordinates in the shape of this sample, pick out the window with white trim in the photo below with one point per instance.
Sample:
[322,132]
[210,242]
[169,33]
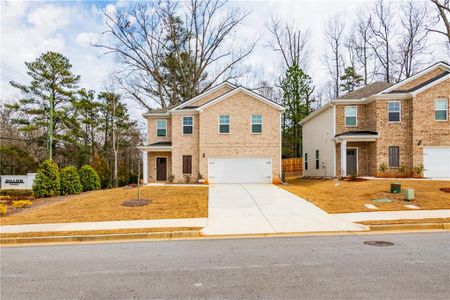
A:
[317,159]
[161,128]
[351,113]
[188,125]
[306,161]
[257,123]
[394,111]
[441,109]
[224,124]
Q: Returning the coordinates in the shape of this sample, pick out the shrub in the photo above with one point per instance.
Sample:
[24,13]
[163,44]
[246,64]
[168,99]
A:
[21,203]
[418,170]
[382,167]
[171,178]
[89,178]
[3,209]
[70,181]
[18,192]
[101,166]
[46,183]
[187,178]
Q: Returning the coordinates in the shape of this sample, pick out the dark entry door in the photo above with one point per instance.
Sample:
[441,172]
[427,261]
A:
[352,161]
[161,168]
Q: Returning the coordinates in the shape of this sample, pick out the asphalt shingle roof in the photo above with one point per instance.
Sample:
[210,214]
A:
[366,91]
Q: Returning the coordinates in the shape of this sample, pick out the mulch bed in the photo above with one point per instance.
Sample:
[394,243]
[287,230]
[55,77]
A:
[136,202]
[445,190]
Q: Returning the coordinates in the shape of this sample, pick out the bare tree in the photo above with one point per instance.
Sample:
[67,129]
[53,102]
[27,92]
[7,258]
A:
[363,52]
[334,35]
[443,7]
[291,42]
[382,24]
[169,57]
[413,43]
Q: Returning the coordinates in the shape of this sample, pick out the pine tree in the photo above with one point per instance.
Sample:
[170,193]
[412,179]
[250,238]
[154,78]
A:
[350,80]
[47,98]
[297,90]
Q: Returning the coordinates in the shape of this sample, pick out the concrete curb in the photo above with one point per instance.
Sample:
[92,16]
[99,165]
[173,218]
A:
[423,226]
[100,237]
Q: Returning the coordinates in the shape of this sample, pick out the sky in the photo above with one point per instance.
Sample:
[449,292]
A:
[69,27]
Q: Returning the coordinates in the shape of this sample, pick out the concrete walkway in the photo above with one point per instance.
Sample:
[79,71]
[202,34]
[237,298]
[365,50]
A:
[266,208]
[394,215]
[163,223]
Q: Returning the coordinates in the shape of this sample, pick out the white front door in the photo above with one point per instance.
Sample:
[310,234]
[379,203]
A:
[436,161]
[240,170]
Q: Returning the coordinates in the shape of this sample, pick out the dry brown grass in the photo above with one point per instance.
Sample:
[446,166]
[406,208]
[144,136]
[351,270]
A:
[95,232]
[406,221]
[105,205]
[338,196]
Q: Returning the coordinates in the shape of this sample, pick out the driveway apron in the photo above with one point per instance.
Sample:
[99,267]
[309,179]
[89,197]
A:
[266,208]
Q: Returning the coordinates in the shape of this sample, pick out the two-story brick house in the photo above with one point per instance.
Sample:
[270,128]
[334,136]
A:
[399,126]
[227,134]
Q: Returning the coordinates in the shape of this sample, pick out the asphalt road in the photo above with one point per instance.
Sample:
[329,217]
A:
[417,266]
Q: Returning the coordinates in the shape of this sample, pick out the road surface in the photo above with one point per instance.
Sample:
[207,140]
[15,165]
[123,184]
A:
[417,266]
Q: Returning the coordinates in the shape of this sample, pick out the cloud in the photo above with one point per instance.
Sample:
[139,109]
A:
[86,38]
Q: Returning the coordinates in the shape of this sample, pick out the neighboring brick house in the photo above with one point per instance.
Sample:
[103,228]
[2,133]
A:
[228,134]
[401,126]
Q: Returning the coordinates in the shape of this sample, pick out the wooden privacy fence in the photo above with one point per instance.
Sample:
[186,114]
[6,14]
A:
[292,166]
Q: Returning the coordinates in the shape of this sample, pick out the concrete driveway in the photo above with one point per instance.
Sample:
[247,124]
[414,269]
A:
[266,208]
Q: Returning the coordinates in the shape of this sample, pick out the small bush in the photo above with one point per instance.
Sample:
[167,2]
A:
[418,170]
[3,209]
[187,178]
[21,203]
[89,178]
[46,183]
[382,167]
[70,181]
[14,192]
[402,169]
[171,178]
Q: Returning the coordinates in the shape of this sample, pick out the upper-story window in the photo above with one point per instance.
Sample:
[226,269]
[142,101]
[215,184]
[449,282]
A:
[441,109]
[351,114]
[188,125]
[394,111]
[224,124]
[257,123]
[161,128]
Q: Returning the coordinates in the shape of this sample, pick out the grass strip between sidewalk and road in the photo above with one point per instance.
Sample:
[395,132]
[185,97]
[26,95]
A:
[406,221]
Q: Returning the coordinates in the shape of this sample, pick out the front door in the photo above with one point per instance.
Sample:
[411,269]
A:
[161,168]
[352,161]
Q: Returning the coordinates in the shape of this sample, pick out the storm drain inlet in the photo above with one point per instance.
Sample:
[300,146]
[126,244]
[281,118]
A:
[379,243]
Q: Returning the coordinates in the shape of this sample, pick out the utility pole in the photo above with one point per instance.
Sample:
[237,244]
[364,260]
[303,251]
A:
[50,146]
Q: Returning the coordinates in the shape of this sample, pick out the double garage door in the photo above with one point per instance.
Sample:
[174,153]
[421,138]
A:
[240,170]
[436,161]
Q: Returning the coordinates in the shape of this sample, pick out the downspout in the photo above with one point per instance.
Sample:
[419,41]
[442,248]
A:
[334,145]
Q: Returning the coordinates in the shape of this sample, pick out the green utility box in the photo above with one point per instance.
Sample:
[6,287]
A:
[409,194]
[396,188]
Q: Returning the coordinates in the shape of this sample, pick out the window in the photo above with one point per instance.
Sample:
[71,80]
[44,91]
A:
[351,113]
[224,124]
[441,109]
[161,127]
[394,156]
[188,125]
[317,159]
[187,164]
[394,108]
[256,123]
[306,161]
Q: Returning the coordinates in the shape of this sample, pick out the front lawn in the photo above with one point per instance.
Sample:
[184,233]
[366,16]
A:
[339,196]
[106,205]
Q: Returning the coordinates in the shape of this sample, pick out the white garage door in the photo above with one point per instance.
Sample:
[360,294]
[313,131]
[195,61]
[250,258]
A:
[240,170]
[436,161]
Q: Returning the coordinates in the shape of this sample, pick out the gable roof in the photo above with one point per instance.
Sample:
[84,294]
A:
[394,88]
[366,91]
[237,90]
[205,93]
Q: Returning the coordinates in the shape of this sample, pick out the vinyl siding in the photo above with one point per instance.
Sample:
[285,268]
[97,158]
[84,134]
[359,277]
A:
[318,134]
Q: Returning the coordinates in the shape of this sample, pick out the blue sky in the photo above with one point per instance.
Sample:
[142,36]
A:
[30,28]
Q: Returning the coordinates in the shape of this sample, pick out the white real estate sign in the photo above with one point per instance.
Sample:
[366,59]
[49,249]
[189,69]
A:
[240,170]
[17,181]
